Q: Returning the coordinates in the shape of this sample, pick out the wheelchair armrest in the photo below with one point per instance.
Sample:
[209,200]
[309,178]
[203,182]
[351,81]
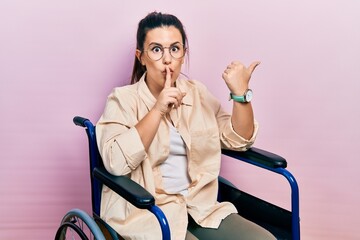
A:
[258,157]
[135,194]
[126,188]
[80,121]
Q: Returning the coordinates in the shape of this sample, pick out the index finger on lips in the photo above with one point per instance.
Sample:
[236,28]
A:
[167,78]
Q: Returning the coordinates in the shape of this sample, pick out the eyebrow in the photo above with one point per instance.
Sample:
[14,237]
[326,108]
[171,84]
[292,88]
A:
[155,43]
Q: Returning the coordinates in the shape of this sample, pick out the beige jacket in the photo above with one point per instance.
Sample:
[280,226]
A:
[205,128]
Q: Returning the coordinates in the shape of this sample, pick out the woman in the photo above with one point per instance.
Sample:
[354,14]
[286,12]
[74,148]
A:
[166,133]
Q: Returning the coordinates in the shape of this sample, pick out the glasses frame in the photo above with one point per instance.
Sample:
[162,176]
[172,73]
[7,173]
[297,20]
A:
[163,51]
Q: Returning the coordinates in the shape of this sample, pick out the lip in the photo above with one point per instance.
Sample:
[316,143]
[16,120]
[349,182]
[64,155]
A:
[164,72]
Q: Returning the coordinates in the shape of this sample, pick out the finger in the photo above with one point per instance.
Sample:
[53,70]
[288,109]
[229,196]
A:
[167,78]
[253,66]
[173,96]
[171,103]
[175,103]
[178,100]
[182,95]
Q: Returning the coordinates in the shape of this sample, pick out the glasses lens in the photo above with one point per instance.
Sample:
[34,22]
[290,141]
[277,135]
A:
[177,51]
[155,52]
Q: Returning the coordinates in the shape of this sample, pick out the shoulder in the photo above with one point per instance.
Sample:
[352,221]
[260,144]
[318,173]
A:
[125,92]
[125,96]
[121,105]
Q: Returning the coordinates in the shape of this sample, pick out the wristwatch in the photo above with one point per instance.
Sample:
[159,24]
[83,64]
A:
[245,98]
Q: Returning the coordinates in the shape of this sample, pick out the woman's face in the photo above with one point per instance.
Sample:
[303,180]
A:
[168,39]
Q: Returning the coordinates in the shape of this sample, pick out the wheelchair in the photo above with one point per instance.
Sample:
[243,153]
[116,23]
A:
[282,223]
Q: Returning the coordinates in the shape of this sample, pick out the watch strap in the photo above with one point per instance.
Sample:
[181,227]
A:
[237,98]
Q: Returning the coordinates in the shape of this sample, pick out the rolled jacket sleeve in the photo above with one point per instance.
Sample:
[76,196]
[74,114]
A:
[231,140]
[119,142]
[122,153]
[228,137]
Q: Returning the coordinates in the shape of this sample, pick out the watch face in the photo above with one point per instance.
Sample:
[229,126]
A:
[249,95]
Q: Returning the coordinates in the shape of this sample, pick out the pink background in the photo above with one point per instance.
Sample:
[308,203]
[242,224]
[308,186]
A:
[59,59]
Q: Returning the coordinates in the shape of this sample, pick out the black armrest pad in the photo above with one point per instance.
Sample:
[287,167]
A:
[258,157]
[126,188]
[80,121]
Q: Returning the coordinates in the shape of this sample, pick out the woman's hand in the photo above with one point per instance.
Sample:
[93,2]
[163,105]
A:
[237,76]
[169,97]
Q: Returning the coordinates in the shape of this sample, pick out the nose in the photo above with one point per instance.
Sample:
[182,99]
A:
[167,57]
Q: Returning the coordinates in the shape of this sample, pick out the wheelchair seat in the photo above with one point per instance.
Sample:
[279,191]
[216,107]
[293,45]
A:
[282,223]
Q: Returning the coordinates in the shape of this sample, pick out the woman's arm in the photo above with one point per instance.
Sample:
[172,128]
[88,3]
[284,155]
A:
[168,98]
[237,78]
[242,119]
[148,126]
[118,141]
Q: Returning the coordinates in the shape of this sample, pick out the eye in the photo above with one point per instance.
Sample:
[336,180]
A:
[156,49]
[174,49]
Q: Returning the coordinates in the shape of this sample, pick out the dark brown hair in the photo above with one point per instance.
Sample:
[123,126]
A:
[151,21]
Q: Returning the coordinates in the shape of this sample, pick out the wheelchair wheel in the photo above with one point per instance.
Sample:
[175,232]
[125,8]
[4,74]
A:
[69,230]
[78,225]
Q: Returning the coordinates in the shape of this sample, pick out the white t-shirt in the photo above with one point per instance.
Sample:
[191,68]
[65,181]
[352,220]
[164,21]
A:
[175,169]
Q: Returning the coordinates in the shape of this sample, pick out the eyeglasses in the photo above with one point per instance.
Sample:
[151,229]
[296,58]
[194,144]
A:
[156,52]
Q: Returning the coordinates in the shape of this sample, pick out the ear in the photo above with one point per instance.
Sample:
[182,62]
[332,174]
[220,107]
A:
[138,56]
[183,59]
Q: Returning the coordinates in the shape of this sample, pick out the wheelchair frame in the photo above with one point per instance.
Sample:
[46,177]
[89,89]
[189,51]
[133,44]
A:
[140,198]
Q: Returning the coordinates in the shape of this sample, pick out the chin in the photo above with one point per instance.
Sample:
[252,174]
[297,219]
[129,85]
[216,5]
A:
[175,75]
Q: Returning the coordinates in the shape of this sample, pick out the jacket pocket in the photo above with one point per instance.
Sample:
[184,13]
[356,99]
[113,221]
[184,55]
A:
[205,153]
